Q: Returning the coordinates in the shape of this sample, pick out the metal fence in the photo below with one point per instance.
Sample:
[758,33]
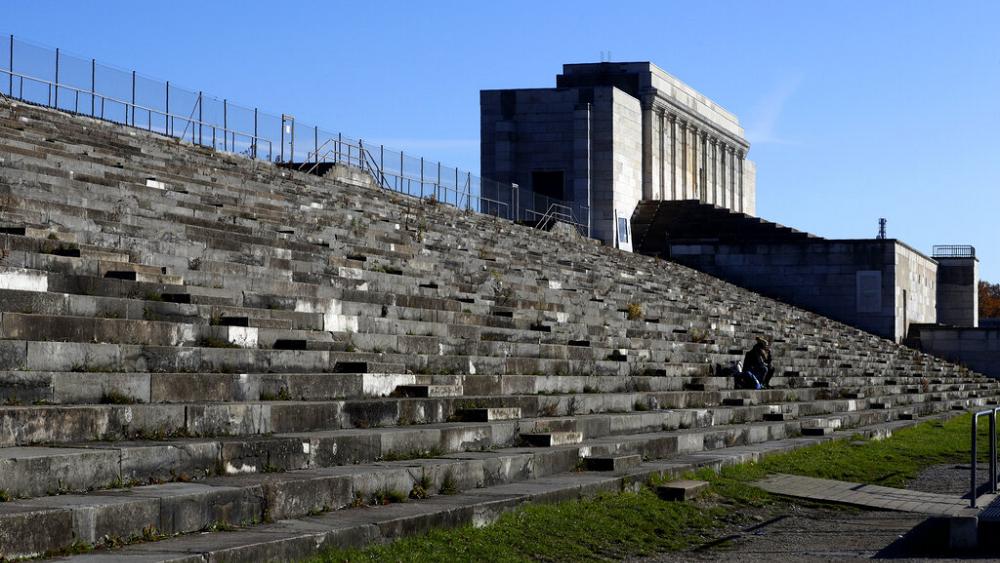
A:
[49,77]
[954,251]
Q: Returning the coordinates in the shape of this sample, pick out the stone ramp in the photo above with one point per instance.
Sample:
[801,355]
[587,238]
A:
[867,496]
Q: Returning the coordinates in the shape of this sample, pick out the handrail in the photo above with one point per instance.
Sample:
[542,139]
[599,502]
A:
[992,413]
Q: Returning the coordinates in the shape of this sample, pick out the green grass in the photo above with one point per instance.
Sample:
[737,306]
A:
[609,526]
[890,462]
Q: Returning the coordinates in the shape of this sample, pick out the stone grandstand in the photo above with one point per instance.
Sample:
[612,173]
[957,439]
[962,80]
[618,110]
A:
[193,341]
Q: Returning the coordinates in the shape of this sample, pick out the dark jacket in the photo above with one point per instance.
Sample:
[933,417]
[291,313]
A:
[757,360]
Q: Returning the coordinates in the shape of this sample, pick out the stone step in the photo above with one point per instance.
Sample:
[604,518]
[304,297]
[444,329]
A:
[489,414]
[429,391]
[551,439]
[614,464]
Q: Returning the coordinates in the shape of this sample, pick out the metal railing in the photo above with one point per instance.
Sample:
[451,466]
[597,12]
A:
[974,486]
[48,77]
[954,251]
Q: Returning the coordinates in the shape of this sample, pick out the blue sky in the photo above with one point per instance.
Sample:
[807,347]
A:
[855,109]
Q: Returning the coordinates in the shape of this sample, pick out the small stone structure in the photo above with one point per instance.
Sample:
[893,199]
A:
[612,134]
[958,286]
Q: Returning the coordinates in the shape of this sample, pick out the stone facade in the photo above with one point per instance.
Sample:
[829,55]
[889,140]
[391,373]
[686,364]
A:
[619,133]
[881,286]
[975,348]
[958,291]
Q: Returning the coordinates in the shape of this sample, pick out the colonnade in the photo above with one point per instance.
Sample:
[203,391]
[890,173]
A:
[690,161]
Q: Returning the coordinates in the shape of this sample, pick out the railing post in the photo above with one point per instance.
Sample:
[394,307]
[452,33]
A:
[168,121]
[57,78]
[401,174]
[225,124]
[93,84]
[517,204]
[381,165]
[200,115]
[133,99]
[422,177]
[993,451]
[316,142]
[10,77]
[972,488]
[253,145]
[468,187]
[437,186]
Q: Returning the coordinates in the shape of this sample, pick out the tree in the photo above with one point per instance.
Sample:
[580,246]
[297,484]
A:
[989,300]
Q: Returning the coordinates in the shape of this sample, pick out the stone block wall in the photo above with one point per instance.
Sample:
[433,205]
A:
[865,283]
[958,291]
[976,348]
[916,289]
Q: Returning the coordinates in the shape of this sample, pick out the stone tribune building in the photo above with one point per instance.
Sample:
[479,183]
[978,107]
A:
[612,135]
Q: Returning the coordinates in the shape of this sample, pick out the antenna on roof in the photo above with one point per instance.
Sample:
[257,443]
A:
[881,228]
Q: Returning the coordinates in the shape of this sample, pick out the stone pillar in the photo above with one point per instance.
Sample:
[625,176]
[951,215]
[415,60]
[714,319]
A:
[713,170]
[682,185]
[693,165]
[703,168]
[672,169]
[723,177]
[661,169]
[647,153]
[732,178]
[739,179]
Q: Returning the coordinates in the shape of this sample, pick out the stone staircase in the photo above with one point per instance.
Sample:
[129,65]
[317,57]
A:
[192,342]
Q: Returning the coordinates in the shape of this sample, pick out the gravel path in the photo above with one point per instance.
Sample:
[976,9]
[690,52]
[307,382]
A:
[948,478]
[794,531]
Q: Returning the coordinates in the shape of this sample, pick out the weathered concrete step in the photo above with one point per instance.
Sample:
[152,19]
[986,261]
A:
[29,468]
[429,391]
[615,464]
[489,414]
[681,490]
[551,439]
[38,233]
[298,538]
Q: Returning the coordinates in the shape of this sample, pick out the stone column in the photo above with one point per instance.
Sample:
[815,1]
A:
[693,163]
[739,178]
[682,185]
[660,170]
[647,153]
[713,170]
[732,178]
[722,174]
[693,168]
[703,168]
[672,169]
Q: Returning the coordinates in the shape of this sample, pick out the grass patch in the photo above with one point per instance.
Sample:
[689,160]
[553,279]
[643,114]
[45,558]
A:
[609,526]
[890,462]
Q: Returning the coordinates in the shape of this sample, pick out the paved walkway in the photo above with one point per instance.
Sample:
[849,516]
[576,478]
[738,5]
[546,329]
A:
[870,496]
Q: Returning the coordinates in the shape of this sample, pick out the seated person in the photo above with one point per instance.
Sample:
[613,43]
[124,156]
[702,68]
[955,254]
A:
[757,368]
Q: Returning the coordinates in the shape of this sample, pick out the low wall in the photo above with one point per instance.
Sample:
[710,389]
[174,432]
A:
[976,348]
